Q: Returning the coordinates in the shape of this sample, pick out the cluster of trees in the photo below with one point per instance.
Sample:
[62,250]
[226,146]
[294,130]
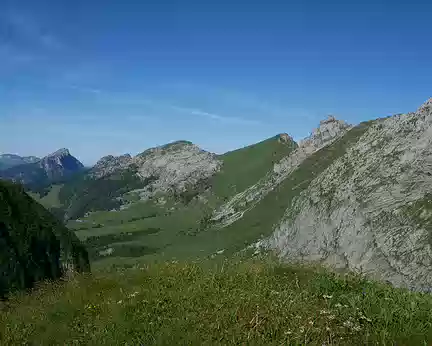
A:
[85,194]
[191,191]
[34,245]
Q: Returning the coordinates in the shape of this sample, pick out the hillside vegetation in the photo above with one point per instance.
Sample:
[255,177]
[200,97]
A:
[247,302]
[34,246]
[244,167]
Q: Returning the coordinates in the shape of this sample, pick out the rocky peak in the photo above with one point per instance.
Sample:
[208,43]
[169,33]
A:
[60,163]
[285,138]
[109,159]
[330,119]
[327,131]
[425,107]
[108,164]
[60,153]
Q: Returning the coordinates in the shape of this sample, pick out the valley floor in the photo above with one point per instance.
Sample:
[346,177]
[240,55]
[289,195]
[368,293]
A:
[241,301]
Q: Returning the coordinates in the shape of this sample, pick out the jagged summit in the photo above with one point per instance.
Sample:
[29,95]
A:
[284,138]
[108,164]
[328,129]
[60,152]
[425,106]
[330,119]
[111,158]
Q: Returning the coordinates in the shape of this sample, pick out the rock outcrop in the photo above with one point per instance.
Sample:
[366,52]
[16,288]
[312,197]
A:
[109,164]
[60,164]
[371,209]
[329,130]
[176,165]
[169,167]
[285,138]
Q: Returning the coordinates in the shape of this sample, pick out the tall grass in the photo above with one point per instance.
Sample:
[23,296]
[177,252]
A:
[247,302]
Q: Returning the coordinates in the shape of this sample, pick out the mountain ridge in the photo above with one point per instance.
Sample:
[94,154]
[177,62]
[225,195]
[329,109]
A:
[53,167]
[11,160]
[276,195]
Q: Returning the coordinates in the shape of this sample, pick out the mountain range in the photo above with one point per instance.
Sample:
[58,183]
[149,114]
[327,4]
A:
[37,173]
[10,160]
[352,197]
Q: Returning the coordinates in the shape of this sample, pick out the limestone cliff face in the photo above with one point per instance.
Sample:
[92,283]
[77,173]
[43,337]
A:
[175,166]
[371,209]
[329,130]
[109,164]
[169,167]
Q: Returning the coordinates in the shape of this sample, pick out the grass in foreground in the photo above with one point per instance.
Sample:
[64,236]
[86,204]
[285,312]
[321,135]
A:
[239,302]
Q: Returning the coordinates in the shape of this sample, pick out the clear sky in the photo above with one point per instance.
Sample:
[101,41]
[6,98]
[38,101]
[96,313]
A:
[111,77]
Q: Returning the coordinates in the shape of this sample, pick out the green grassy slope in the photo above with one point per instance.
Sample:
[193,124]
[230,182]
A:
[51,199]
[252,302]
[244,167]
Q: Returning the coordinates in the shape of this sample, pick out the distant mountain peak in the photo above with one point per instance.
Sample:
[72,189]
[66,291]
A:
[284,138]
[60,152]
[327,130]
[53,167]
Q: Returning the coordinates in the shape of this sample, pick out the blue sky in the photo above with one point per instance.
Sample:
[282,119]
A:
[110,77]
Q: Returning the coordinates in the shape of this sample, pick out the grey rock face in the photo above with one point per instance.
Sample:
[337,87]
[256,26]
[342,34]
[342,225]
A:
[175,166]
[109,164]
[60,164]
[169,167]
[328,131]
[371,210]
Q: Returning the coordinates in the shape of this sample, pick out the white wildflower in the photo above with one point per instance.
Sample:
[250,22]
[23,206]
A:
[362,317]
[133,294]
[348,324]
[356,328]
